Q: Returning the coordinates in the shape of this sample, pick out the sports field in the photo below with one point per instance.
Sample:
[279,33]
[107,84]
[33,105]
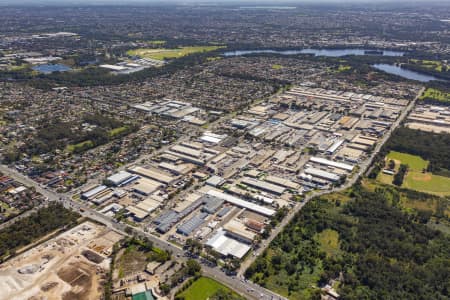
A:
[416,179]
[163,53]
[415,163]
[203,289]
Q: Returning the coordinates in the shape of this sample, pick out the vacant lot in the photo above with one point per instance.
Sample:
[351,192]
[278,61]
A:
[162,54]
[204,288]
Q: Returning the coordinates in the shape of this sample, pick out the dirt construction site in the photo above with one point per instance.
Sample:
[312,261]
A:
[73,265]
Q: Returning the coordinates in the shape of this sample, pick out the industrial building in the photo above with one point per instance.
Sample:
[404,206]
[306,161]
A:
[192,224]
[228,246]
[264,186]
[330,163]
[121,178]
[211,204]
[239,231]
[157,175]
[322,174]
[146,186]
[242,203]
[93,191]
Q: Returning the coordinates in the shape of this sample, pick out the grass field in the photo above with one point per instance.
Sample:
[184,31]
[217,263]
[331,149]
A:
[416,179]
[162,53]
[83,145]
[430,64]
[277,67]
[117,131]
[343,68]
[427,182]
[203,288]
[415,163]
[329,242]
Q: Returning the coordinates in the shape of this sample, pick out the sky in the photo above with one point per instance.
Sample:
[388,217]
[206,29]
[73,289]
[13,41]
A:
[266,2]
[187,2]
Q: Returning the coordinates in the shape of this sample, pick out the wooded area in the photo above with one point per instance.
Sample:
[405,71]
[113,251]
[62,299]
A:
[36,225]
[382,252]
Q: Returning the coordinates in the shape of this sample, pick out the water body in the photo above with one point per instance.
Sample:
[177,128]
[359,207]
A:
[408,74]
[316,52]
[50,68]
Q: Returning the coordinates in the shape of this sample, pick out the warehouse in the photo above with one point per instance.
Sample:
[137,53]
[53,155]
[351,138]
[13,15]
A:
[186,151]
[215,181]
[192,224]
[350,154]
[330,163]
[148,205]
[137,213]
[146,186]
[157,175]
[283,182]
[93,191]
[239,231]
[101,197]
[178,169]
[211,204]
[242,203]
[322,174]
[224,211]
[363,141]
[166,220]
[121,178]
[227,246]
[264,186]
[334,147]
[186,158]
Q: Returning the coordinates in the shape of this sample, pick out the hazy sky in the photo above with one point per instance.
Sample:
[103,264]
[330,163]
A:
[266,2]
[187,2]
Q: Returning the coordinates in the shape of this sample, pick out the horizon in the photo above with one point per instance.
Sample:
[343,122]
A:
[268,3]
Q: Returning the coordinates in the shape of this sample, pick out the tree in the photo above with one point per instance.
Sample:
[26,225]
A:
[193,267]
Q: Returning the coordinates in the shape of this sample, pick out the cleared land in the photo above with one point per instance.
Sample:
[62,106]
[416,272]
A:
[162,54]
[72,265]
[329,242]
[415,178]
[203,288]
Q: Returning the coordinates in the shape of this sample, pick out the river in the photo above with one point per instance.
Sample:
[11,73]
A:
[405,73]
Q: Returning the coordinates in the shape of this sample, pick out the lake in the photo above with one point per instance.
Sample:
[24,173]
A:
[50,68]
[316,52]
[408,74]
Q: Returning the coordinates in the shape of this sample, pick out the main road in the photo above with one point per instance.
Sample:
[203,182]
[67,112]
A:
[238,283]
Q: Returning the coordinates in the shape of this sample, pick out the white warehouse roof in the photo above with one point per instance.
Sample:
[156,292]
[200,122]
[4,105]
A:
[242,203]
[227,246]
[331,163]
[119,177]
[322,174]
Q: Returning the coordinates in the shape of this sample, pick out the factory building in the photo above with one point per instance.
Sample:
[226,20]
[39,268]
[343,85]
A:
[330,163]
[192,224]
[157,175]
[228,246]
[322,174]
[242,203]
[264,186]
[121,178]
